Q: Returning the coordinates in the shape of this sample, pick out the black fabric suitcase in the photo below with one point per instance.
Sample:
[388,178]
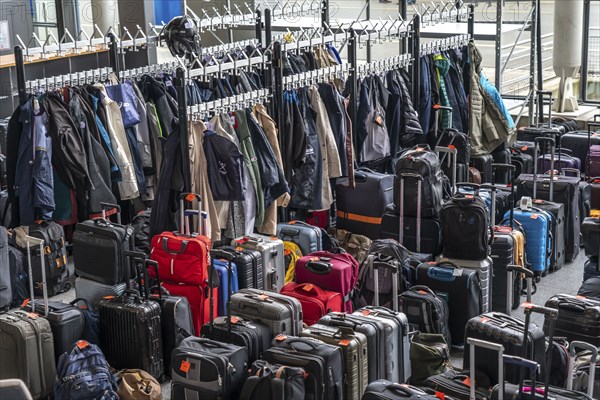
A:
[579,144]
[430,239]
[131,333]
[459,287]
[354,355]
[249,265]
[426,312]
[521,159]
[359,210]
[508,331]
[578,318]
[204,369]
[27,352]
[385,390]
[253,336]
[501,155]
[99,248]
[6,295]
[483,163]
[273,381]
[373,330]
[282,314]
[322,362]
[590,233]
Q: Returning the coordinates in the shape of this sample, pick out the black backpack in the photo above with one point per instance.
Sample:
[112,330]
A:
[386,256]
[426,312]
[19,279]
[141,231]
[421,162]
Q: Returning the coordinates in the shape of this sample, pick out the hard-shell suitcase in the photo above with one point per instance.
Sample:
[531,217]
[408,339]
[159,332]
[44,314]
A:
[225,284]
[94,291]
[273,259]
[316,302]
[593,161]
[27,345]
[182,256]
[336,272]
[557,211]
[383,389]
[355,355]
[207,369]
[579,144]
[323,363]
[130,331]
[98,248]
[426,312]
[590,233]
[508,331]
[484,269]
[281,313]
[522,161]
[398,357]
[306,236]
[483,163]
[359,210]
[249,267]
[459,287]
[578,318]
[502,155]
[378,342]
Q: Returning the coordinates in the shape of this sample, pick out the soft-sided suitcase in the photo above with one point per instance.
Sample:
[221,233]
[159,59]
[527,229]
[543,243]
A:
[281,313]
[386,390]
[563,160]
[131,331]
[249,265]
[359,210]
[590,287]
[94,291]
[274,381]
[593,161]
[18,275]
[426,312]
[273,258]
[459,287]
[522,161]
[502,155]
[508,331]
[483,163]
[306,236]
[316,302]
[578,143]
[378,342]
[355,355]
[6,295]
[322,362]
[182,256]
[198,298]
[336,272]
[398,357]
[578,318]
[207,369]
[590,233]
[98,248]
[429,241]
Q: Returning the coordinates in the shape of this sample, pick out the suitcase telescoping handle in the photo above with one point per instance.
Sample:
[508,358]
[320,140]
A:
[437,109]
[596,125]
[522,363]
[539,142]
[540,112]
[473,343]
[511,270]
[592,374]
[453,162]
[139,259]
[374,267]
[189,197]
[419,178]
[30,242]
[108,206]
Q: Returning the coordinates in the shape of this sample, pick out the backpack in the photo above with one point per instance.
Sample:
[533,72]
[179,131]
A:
[420,161]
[91,321]
[141,231]
[356,245]
[83,373]
[18,275]
[385,253]
[291,254]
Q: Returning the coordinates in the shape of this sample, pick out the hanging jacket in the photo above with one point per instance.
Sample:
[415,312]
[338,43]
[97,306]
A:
[294,134]
[334,106]
[426,100]
[489,124]
[69,156]
[442,65]
[224,167]
[409,127]
[34,182]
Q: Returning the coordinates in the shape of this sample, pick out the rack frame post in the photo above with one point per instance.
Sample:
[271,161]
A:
[415,44]
[183,128]
[20,67]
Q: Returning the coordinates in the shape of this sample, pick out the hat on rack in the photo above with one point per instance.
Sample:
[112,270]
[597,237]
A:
[182,37]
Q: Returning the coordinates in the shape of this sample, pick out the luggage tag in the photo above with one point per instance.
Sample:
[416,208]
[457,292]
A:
[457,272]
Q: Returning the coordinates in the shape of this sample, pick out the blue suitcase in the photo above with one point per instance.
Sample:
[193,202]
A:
[537,225]
[306,236]
[221,267]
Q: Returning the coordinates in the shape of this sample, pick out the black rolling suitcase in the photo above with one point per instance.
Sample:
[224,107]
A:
[385,390]
[131,331]
[459,287]
[249,265]
[377,340]
[501,155]
[578,318]
[99,247]
[273,381]
[208,370]
[322,362]
[483,163]
[522,161]
[251,335]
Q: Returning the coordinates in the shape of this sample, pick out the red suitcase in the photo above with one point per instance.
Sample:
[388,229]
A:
[198,297]
[336,272]
[181,258]
[315,301]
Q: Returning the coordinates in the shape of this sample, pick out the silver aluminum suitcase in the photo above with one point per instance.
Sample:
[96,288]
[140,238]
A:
[271,249]
[306,236]
[484,271]
[93,291]
[281,313]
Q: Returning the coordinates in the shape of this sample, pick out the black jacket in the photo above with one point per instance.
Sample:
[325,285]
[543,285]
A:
[224,164]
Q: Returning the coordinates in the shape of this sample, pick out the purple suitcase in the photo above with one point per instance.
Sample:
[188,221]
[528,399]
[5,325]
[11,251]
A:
[593,162]
[560,161]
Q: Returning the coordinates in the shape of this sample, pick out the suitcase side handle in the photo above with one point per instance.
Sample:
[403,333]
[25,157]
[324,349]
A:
[421,288]
[575,171]
[319,267]
[571,306]
[165,246]
[289,233]
[302,341]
